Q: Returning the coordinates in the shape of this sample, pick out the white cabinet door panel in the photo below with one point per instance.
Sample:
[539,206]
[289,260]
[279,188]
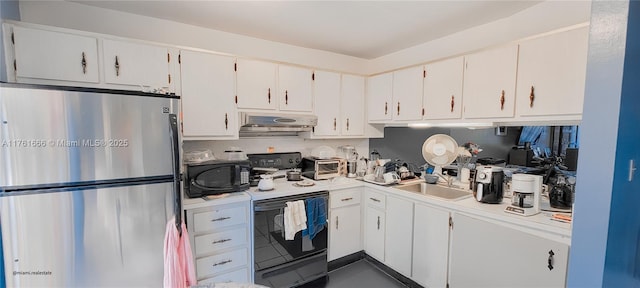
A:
[407,94]
[326,103]
[490,82]
[344,232]
[379,97]
[352,105]
[208,91]
[256,84]
[374,233]
[443,89]
[295,88]
[48,55]
[551,74]
[135,64]
[399,235]
[430,246]
[480,248]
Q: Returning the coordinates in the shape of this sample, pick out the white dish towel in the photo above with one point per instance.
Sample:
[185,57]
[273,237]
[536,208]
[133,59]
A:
[295,219]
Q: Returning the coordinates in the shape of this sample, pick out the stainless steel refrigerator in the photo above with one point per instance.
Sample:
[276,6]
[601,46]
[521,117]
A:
[89,179]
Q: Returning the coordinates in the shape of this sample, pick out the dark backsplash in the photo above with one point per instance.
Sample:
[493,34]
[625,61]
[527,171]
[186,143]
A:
[406,143]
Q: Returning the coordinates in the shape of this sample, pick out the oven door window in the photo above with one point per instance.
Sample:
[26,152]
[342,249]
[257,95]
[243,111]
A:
[327,168]
[218,178]
[272,249]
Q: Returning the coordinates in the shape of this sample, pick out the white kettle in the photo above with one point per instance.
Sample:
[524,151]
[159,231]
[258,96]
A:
[266,182]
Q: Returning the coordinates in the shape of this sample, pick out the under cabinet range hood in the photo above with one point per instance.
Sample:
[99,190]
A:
[275,124]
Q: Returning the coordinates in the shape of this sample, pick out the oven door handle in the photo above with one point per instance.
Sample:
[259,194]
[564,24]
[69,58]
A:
[269,207]
[205,188]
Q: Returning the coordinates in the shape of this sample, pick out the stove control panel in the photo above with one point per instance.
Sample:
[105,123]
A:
[281,161]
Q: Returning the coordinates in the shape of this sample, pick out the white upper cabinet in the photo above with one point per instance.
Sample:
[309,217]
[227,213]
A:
[256,84]
[326,96]
[47,55]
[208,92]
[379,97]
[490,82]
[352,105]
[135,64]
[407,94]
[442,97]
[551,74]
[295,88]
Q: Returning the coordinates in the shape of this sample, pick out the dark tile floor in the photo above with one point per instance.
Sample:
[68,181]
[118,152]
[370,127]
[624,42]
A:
[359,274]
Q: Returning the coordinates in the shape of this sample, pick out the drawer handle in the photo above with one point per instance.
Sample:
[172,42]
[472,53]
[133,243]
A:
[220,241]
[220,219]
[346,199]
[550,260]
[222,263]
[374,199]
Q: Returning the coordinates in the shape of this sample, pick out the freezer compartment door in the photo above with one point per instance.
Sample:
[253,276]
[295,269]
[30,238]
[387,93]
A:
[111,237]
[59,136]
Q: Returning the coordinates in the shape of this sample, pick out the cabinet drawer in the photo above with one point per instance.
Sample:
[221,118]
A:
[344,198]
[215,242]
[375,199]
[219,263]
[216,219]
[237,276]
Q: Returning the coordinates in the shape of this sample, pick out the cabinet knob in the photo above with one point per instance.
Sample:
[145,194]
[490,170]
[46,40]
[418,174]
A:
[532,97]
[222,262]
[117,66]
[385,108]
[221,241]
[378,222]
[269,95]
[335,124]
[226,121]
[286,97]
[453,103]
[220,219]
[84,63]
[502,100]
[550,260]
[337,223]
[346,199]
[347,124]
[398,108]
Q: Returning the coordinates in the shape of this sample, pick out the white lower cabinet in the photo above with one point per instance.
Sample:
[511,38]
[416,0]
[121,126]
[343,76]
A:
[344,223]
[398,235]
[487,254]
[219,236]
[374,225]
[430,246]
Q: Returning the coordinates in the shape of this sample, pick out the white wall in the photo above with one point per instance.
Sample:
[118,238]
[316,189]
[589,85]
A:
[93,19]
[281,144]
[544,17]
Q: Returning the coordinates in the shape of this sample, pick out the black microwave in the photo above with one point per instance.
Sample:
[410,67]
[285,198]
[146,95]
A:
[216,177]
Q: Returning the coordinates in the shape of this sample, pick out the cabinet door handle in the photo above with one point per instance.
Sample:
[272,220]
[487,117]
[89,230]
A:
[378,222]
[269,95]
[220,219]
[550,260]
[532,97]
[335,124]
[374,199]
[286,97]
[346,199]
[347,124]
[386,108]
[84,63]
[453,103]
[226,121]
[117,66]
[502,100]
[336,222]
[221,241]
[398,108]
[222,263]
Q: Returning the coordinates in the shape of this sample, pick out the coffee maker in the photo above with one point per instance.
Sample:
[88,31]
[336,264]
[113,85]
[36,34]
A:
[526,194]
[488,184]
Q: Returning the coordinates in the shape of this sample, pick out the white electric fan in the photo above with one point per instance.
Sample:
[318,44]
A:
[440,150]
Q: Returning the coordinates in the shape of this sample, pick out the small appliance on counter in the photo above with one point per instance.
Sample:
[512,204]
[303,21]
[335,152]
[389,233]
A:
[216,177]
[322,169]
[489,184]
[526,194]
[350,154]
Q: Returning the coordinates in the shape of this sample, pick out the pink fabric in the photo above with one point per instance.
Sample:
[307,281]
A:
[179,268]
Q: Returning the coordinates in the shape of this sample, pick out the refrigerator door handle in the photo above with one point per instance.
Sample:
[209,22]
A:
[173,125]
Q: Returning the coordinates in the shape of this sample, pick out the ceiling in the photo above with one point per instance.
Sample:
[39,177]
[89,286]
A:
[364,29]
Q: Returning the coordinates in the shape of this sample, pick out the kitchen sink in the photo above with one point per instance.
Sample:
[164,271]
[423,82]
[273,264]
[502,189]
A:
[447,193]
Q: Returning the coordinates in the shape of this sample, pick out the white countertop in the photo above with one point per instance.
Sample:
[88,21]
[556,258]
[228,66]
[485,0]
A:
[492,212]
